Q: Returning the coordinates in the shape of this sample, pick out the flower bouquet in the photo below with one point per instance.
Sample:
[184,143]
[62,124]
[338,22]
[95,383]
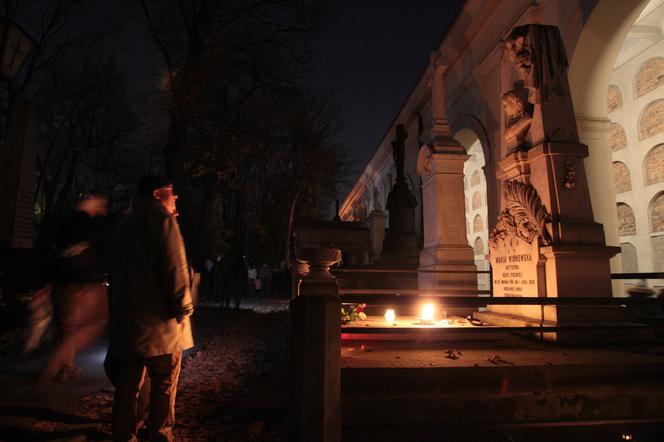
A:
[353,312]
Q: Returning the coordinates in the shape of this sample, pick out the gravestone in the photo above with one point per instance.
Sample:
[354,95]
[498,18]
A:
[447,261]
[400,245]
[546,242]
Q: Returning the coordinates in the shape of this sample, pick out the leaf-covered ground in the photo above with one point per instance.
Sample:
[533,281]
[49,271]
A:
[233,387]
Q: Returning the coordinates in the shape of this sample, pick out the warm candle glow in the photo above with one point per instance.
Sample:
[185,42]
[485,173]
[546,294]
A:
[389,315]
[427,313]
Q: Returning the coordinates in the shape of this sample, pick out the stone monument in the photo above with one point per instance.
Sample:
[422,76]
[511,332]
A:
[376,223]
[440,164]
[546,242]
[400,245]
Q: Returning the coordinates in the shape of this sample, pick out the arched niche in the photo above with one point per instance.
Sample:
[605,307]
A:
[614,98]
[651,121]
[656,213]
[478,224]
[653,165]
[626,220]
[478,247]
[649,77]
[617,136]
[630,259]
[621,177]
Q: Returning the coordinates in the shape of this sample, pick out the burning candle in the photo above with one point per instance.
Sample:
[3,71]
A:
[427,313]
[389,315]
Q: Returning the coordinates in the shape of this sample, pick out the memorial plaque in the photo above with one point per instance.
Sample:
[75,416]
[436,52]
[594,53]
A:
[518,269]
[515,268]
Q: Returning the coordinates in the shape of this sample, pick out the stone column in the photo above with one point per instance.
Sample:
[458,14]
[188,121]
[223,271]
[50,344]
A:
[315,413]
[17,182]
[445,241]
[594,133]
[445,245]
[376,234]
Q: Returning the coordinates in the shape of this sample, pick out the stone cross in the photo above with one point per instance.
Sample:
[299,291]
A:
[399,151]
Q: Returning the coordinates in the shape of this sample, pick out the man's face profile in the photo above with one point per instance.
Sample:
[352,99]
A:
[167,197]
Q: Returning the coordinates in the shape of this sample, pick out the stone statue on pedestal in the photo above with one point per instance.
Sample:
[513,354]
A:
[400,244]
[401,202]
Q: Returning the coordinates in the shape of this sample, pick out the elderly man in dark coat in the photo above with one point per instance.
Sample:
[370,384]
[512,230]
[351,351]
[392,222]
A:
[150,307]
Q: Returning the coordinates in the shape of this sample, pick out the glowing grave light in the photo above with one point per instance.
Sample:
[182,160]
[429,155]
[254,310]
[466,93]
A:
[390,316]
[427,313]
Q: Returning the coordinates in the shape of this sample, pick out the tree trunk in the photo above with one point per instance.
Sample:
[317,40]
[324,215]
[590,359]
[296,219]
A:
[291,221]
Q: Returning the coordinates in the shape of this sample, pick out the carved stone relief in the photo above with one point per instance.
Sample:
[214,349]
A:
[518,114]
[524,216]
[538,57]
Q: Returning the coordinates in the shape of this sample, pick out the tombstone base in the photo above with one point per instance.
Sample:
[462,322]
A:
[400,248]
[450,259]
[578,270]
[598,315]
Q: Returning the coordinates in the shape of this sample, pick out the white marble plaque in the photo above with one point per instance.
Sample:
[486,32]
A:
[514,264]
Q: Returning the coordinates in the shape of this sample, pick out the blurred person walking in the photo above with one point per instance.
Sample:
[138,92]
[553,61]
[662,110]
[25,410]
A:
[150,307]
[79,286]
[252,274]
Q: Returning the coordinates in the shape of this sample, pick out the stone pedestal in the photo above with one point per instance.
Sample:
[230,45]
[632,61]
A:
[576,257]
[315,410]
[445,241]
[17,180]
[546,242]
[376,234]
[400,245]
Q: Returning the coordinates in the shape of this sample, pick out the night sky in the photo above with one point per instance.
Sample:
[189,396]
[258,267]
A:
[369,55]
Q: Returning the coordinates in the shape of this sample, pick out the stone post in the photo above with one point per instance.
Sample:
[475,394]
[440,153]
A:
[315,412]
[440,164]
[376,234]
[17,181]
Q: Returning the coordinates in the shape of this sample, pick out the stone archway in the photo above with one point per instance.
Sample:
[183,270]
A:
[591,66]
[476,195]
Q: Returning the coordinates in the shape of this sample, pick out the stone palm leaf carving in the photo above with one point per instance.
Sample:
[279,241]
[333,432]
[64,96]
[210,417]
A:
[524,215]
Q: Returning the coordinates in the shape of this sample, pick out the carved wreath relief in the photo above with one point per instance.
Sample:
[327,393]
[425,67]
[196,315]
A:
[524,216]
